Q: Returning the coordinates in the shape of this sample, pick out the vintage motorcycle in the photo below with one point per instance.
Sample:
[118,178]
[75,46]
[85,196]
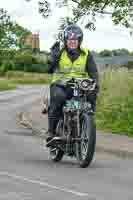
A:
[76,131]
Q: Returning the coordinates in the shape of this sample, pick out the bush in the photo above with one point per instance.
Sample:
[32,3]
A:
[23,58]
[18,67]
[28,68]
[6,55]
[130,64]
[23,61]
[40,68]
[42,59]
[2,73]
[6,66]
[105,53]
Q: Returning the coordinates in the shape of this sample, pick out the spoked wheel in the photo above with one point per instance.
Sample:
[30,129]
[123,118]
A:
[85,149]
[55,153]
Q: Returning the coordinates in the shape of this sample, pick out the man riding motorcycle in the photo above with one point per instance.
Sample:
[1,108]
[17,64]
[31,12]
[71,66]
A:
[73,61]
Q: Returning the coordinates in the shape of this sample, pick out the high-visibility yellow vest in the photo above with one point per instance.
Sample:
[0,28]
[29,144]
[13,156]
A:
[69,69]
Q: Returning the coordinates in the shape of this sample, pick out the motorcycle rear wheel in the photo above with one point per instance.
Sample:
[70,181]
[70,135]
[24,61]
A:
[85,149]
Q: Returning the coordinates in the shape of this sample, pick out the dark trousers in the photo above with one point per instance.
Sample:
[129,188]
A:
[58,96]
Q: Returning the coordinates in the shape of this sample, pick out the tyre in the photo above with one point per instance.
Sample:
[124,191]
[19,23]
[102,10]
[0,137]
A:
[85,149]
[56,154]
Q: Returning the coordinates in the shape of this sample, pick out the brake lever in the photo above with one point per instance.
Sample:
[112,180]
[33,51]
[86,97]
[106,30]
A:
[93,87]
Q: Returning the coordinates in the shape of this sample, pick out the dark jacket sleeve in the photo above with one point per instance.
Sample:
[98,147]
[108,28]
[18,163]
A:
[54,57]
[91,68]
[52,65]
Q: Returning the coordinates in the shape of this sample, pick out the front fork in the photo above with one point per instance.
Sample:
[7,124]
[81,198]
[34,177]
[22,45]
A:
[78,124]
[67,131]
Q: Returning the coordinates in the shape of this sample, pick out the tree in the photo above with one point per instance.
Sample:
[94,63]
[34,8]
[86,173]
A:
[5,27]
[20,34]
[105,53]
[10,32]
[121,11]
[114,52]
[120,52]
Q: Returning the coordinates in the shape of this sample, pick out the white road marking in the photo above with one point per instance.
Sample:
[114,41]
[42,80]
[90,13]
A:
[45,184]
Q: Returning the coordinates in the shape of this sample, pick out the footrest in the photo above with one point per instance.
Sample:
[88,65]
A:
[55,141]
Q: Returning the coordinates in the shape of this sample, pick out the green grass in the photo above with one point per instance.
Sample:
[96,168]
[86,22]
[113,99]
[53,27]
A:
[12,78]
[7,85]
[30,81]
[115,102]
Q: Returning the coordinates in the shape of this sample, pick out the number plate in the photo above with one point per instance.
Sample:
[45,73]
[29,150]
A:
[72,104]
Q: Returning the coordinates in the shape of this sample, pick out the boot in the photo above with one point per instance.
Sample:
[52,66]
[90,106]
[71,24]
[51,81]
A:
[52,123]
[50,136]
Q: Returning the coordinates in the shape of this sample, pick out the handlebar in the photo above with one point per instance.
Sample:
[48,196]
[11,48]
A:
[77,82]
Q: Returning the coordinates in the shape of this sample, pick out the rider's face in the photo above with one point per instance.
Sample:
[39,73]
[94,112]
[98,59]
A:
[72,44]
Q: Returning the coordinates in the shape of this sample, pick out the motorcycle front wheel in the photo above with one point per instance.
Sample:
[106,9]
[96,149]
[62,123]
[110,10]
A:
[85,149]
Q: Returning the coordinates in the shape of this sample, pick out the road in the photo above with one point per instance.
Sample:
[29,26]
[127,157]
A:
[26,173]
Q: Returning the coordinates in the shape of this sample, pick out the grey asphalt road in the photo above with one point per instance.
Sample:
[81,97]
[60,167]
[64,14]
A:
[26,173]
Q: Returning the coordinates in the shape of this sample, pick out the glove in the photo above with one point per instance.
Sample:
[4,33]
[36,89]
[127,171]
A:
[55,50]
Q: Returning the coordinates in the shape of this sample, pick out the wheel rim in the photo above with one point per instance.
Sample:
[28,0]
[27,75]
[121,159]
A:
[84,139]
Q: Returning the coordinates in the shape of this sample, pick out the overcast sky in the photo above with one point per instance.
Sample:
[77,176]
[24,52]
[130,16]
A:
[106,36]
